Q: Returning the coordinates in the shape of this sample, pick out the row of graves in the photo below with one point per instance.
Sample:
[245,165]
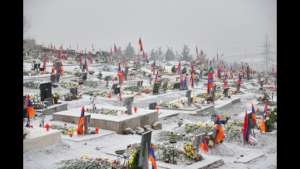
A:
[174,151]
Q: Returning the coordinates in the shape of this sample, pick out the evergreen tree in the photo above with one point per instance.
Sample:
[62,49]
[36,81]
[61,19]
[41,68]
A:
[129,51]
[186,53]
[170,55]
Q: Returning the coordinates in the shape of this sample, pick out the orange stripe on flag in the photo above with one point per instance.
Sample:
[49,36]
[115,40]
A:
[31,112]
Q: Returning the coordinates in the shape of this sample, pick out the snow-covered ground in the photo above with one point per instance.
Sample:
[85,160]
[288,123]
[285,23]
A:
[48,157]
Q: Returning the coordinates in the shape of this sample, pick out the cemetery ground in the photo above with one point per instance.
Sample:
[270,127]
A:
[173,110]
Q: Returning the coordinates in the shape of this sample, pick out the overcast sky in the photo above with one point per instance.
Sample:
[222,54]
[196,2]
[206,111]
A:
[231,26]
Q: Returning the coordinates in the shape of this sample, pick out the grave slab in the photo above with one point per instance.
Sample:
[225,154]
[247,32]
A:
[110,122]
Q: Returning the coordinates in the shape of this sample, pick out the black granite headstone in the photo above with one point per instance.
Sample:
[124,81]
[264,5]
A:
[152,106]
[73,91]
[84,76]
[45,91]
[156,87]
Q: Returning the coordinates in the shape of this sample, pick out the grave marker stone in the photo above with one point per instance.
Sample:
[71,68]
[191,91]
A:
[152,106]
[176,85]
[128,103]
[87,119]
[189,97]
[198,140]
[144,152]
[156,87]
[84,76]
[74,91]
[45,91]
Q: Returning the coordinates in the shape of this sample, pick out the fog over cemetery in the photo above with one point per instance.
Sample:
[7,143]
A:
[138,107]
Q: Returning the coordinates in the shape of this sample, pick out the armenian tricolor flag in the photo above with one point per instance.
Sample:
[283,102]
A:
[253,114]
[152,159]
[141,45]
[210,79]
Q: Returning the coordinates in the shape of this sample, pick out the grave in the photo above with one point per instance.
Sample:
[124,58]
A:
[54,108]
[109,122]
[45,91]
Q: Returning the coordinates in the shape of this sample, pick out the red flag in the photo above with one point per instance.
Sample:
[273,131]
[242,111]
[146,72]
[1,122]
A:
[141,45]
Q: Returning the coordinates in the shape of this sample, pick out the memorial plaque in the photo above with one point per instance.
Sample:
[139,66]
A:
[45,91]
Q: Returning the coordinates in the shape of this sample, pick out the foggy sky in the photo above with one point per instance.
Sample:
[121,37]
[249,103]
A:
[231,26]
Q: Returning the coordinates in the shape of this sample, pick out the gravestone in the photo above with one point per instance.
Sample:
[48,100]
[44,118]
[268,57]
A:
[197,141]
[128,103]
[87,120]
[176,85]
[116,88]
[144,152]
[45,91]
[189,97]
[140,84]
[152,106]
[156,87]
[74,91]
[84,76]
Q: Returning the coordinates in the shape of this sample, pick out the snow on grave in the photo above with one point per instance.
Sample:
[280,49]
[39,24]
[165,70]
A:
[116,123]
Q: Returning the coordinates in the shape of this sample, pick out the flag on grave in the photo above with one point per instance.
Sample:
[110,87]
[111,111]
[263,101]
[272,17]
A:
[141,45]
